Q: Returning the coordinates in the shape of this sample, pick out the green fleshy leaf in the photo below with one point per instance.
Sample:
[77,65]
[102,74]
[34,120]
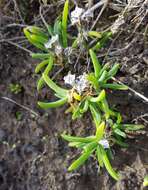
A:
[120,133]
[96,64]
[132,127]
[75,43]
[113,71]
[90,146]
[145,182]
[100,97]
[107,164]
[41,81]
[78,139]
[99,157]
[100,131]
[49,66]
[32,41]
[64,23]
[80,109]
[95,114]
[52,104]
[41,65]
[93,80]
[40,55]
[63,92]
[80,161]
[76,113]
[105,67]
[97,46]
[115,86]
[37,31]
[109,154]
[57,27]
[105,108]
[50,30]
[101,43]
[77,144]
[103,77]
[119,118]
[94,34]
[40,84]
[39,39]
[85,107]
[121,143]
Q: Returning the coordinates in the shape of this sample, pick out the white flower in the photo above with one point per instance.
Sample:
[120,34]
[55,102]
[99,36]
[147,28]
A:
[70,79]
[76,14]
[81,83]
[104,143]
[52,41]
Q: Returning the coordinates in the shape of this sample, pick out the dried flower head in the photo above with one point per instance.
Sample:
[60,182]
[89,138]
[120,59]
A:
[76,15]
[54,40]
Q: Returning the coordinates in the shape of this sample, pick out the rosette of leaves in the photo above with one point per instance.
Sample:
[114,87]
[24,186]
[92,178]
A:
[92,146]
[50,42]
[93,98]
[100,144]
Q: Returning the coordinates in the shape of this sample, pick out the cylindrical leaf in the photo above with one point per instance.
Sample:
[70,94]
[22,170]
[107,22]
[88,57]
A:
[41,65]
[107,164]
[96,64]
[80,161]
[54,87]
[115,86]
[78,139]
[64,23]
[55,104]
[99,98]
[100,131]
[40,55]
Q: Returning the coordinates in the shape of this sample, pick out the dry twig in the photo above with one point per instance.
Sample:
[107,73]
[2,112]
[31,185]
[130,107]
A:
[141,96]
[22,106]
[16,45]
